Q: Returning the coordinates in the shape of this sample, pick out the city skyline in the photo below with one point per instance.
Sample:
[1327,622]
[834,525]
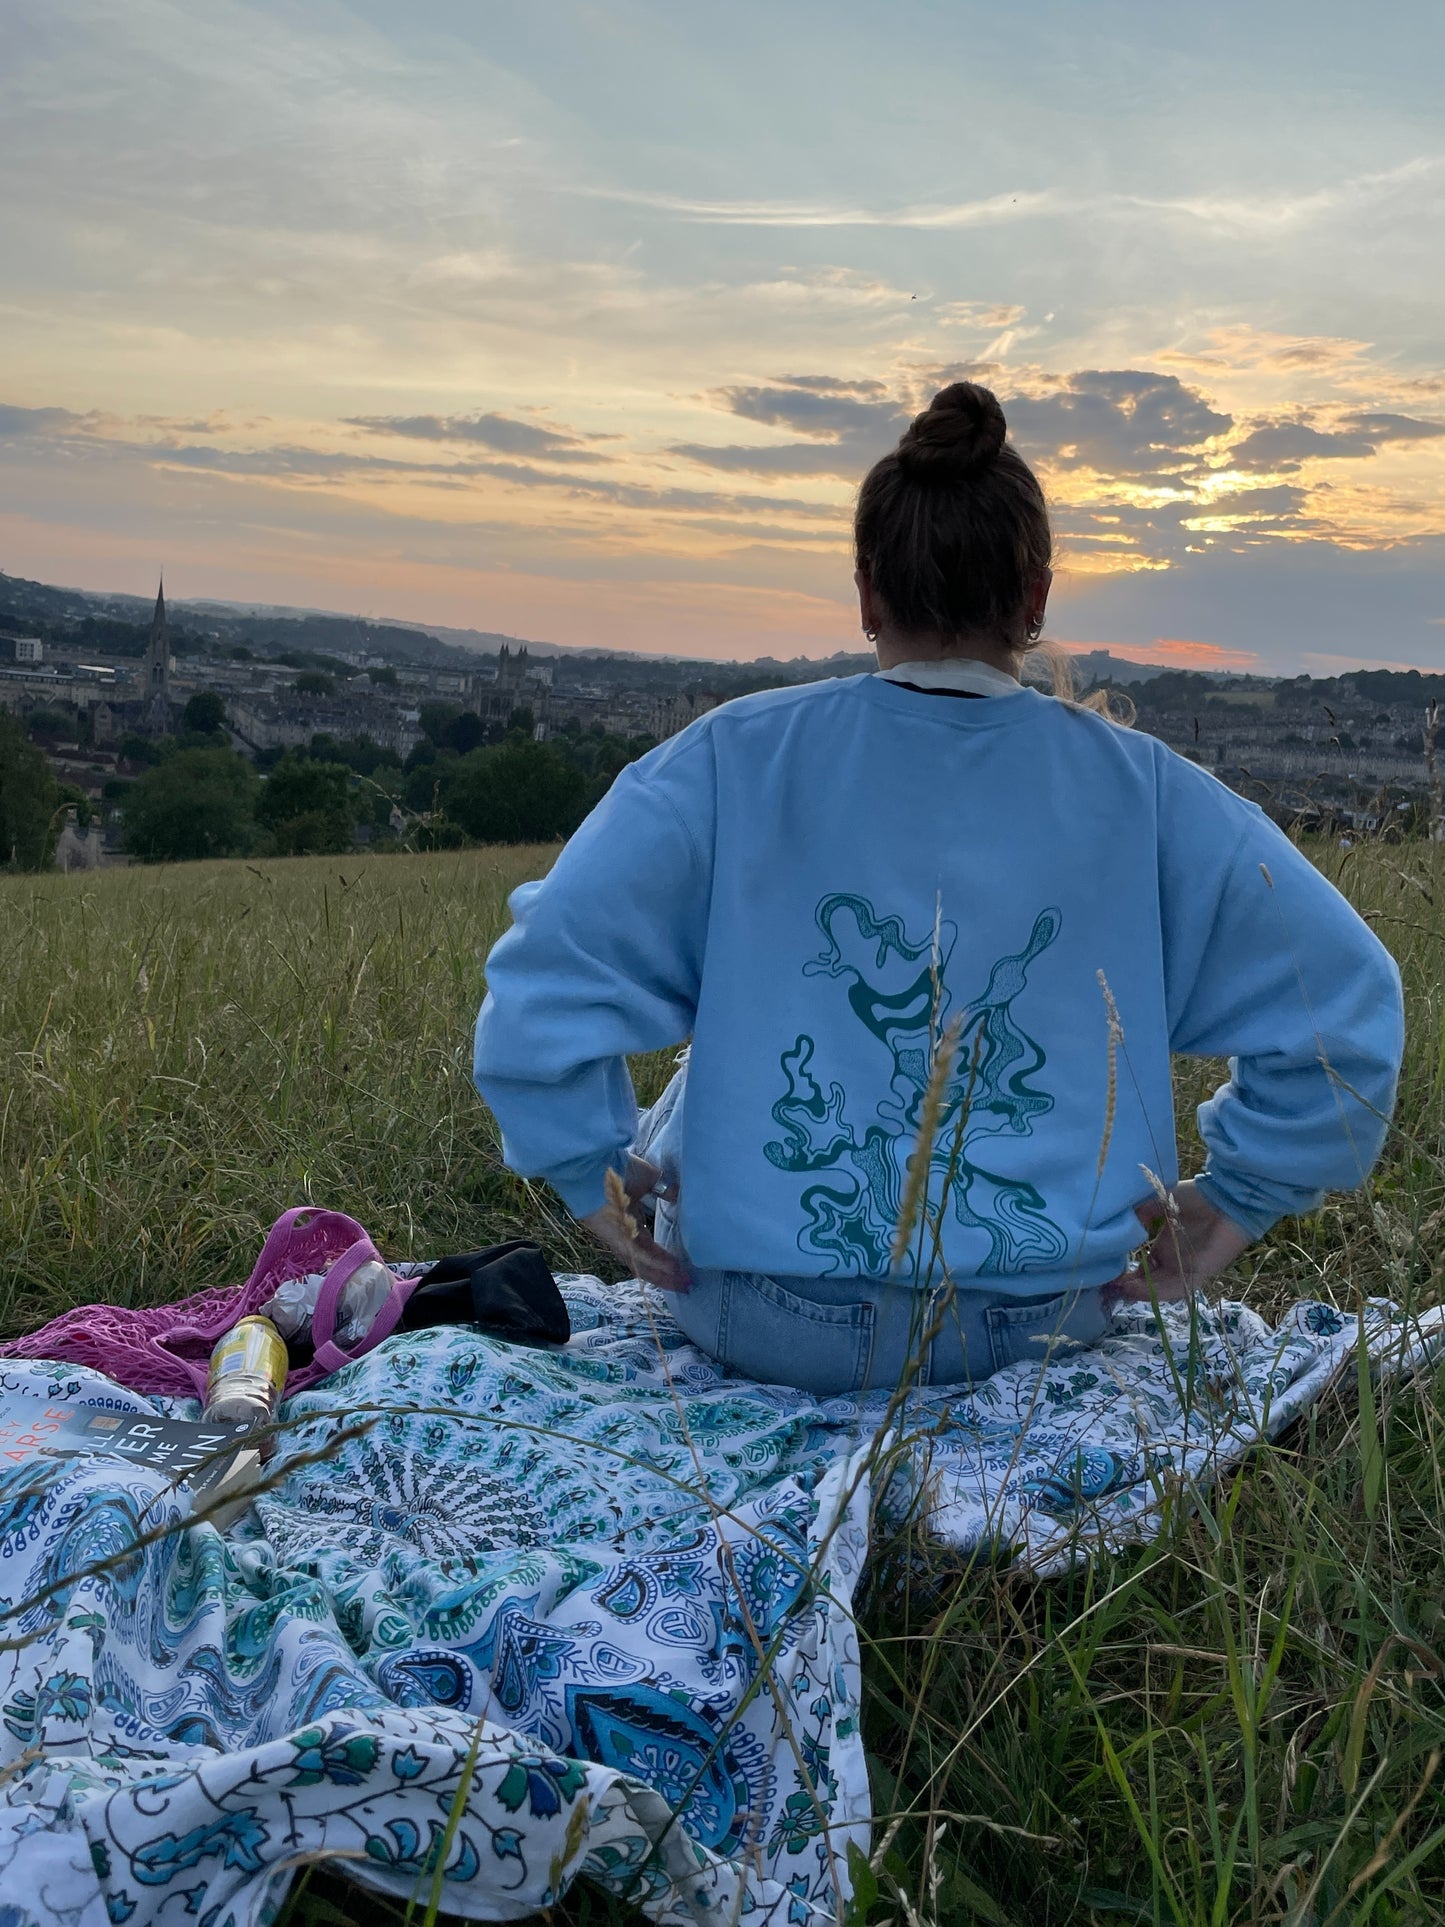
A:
[582,322]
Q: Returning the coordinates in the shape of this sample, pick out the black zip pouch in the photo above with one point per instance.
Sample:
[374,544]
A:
[508,1290]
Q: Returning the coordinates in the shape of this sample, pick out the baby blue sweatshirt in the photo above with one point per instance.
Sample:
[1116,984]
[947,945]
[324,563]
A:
[816,884]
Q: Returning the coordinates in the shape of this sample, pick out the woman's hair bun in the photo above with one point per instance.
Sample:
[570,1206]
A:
[959,433]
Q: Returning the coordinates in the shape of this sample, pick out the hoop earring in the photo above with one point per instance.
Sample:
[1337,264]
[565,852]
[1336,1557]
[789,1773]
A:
[871,634]
[1036,629]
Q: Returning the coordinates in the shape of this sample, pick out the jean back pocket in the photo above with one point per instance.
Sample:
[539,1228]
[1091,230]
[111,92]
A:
[781,1338]
[1035,1330]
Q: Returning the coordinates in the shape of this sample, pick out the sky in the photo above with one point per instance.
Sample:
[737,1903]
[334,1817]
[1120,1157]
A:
[582,321]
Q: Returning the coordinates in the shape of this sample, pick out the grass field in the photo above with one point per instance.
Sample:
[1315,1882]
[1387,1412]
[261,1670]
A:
[1241,1723]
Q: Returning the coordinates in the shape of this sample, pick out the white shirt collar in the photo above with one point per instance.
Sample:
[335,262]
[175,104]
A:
[965,673]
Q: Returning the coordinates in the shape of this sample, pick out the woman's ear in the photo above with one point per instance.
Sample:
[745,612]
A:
[1039,600]
[867,607]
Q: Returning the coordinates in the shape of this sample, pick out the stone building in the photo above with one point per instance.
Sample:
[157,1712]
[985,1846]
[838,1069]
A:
[77,848]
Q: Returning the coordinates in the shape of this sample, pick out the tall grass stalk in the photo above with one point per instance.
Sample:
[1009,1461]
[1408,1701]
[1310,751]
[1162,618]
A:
[1241,1722]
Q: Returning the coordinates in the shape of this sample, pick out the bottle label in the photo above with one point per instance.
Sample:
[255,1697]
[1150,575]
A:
[254,1349]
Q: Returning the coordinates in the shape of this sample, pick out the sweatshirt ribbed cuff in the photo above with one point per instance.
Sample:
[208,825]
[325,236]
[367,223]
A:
[583,1189]
[1253,1217]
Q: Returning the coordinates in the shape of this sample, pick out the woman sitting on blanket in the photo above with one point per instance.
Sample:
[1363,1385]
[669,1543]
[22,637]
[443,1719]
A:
[934,937]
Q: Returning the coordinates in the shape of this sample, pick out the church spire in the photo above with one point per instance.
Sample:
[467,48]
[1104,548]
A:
[157,671]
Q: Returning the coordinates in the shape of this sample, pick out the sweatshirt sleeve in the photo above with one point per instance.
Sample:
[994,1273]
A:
[604,958]
[1268,965]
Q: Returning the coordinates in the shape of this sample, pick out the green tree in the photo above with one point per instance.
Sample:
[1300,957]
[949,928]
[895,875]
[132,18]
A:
[383,678]
[204,713]
[135,748]
[198,803]
[29,801]
[314,682]
[70,796]
[434,719]
[359,753]
[307,807]
[521,792]
[424,785]
[465,733]
[51,726]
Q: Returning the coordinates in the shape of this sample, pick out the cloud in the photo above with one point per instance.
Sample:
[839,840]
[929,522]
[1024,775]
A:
[641,495]
[1115,422]
[1265,215]
[1323,351]
[1175,651]
[792,458]
[1287,498]
[1281,598]
[1202,655]
[979,314]
[1282,446]
[992,210]
[501,432]
[57,435]
[219,423]
[17,422]
[826,385]
[1240,345]
[849,425]
[815,407]
[1131,455]
[1317,663]
[1283,510]
[1394,428]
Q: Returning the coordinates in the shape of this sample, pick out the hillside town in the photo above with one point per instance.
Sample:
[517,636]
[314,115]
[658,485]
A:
[359,691]
[104,694]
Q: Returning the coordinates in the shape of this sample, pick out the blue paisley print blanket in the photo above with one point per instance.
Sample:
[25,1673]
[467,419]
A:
[509,1618]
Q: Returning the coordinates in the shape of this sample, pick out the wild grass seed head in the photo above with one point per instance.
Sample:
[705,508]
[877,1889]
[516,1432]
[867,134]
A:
[930,1114]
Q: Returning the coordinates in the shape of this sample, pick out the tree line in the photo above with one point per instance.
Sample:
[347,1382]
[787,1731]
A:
[195,796]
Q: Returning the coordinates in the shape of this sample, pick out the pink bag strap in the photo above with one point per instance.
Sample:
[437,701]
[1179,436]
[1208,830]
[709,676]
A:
[279,1236]
[278,1260]
[328,1356]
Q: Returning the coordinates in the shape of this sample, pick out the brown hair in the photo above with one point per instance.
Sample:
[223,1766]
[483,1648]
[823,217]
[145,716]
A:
[951,528]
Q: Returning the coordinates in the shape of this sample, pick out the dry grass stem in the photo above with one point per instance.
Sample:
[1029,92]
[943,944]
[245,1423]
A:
[1237,1724]
[619,1207]
[920,1163]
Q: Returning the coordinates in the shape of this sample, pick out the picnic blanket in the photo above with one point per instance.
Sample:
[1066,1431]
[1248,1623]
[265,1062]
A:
[509,1617]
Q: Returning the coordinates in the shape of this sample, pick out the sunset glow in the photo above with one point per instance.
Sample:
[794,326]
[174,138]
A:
[1178,654]
[584,326]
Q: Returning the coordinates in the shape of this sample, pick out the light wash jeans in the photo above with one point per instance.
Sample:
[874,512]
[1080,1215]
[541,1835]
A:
[829,1335]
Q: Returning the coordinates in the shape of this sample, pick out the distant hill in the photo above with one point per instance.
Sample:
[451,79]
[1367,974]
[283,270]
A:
[488,642]
[1101,665]
[119,623]
[289,626]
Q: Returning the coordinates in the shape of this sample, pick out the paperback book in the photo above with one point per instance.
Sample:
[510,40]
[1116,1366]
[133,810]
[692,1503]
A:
[204,1462]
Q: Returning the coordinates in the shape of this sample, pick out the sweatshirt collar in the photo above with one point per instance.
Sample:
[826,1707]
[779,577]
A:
[965,674]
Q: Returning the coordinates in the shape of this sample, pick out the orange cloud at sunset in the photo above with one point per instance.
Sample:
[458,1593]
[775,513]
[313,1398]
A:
[590,337]
[1177,651]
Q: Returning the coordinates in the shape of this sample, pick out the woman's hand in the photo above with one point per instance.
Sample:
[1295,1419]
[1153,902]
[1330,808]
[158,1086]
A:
[618,1227]
[1189,1243]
